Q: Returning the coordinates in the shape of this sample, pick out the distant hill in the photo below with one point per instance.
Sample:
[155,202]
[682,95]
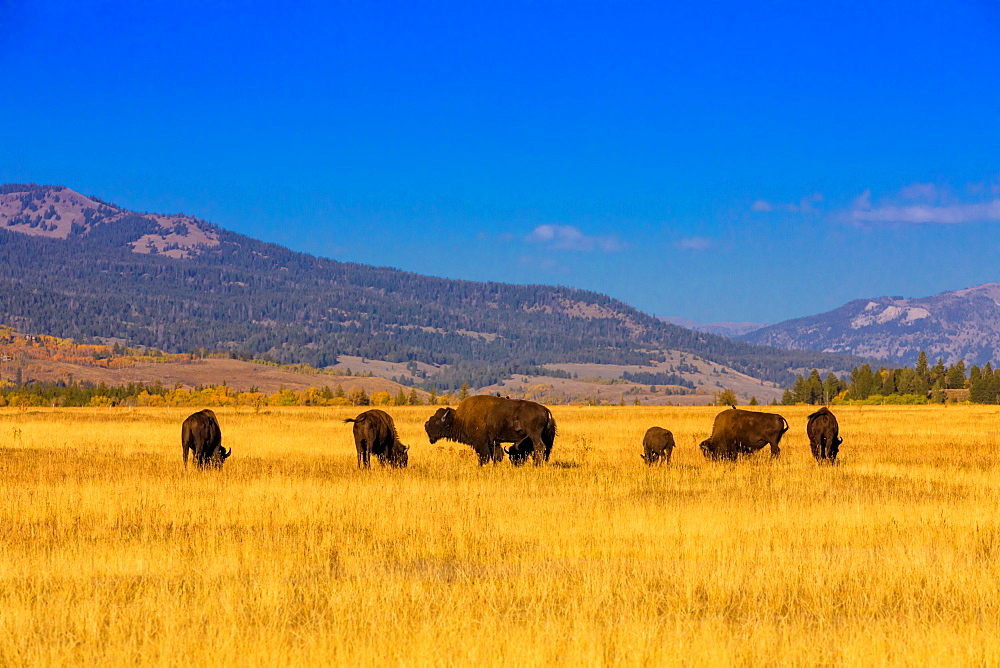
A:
[727,329]
[962,324]
[80,267]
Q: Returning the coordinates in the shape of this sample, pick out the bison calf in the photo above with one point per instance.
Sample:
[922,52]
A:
[657,446]
[200,434]
[824,436]
[375,434]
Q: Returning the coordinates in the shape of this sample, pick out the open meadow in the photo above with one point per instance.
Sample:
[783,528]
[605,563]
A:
[112,553]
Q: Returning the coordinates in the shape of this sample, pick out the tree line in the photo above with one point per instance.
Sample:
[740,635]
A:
[918,384]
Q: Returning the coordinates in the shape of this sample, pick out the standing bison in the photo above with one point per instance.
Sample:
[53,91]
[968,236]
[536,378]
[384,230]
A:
[375,434]
[657,446]
[737,432]
[200,434]
[485,421]
[824,436]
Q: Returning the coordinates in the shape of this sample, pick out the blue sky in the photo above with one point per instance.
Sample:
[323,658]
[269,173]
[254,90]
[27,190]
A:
[724,161]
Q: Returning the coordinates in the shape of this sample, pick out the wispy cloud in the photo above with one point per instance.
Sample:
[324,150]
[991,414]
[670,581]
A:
[569,237]
[695,243]
[804,205]
[923,203]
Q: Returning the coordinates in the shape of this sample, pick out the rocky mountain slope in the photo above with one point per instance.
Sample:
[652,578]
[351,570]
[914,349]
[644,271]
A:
[961,324]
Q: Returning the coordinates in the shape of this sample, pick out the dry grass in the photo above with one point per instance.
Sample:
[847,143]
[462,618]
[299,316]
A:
[111,553]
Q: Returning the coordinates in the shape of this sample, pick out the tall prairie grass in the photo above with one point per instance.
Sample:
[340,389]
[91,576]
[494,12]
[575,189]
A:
[112,553]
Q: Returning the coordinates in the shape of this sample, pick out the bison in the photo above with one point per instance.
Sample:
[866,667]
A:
[519,452]
[375,434]
[485,422]
[200,433]
[824,435]
[737,432]
[657,446]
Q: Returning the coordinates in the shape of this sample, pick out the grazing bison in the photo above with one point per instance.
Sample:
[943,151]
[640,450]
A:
[737,432]
[375,434]
[824,435]
[200,433]
[519,452]
[657,446]
[485,421]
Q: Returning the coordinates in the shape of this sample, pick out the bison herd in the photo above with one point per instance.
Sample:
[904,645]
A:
[487,422]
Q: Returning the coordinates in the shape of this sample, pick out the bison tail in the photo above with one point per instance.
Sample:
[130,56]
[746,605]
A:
[786,424]
[351,420]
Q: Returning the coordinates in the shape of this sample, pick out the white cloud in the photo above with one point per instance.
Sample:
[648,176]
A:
[923,203]
[953,214]
[569,237]
[926,192]
[804,205]
[695,243]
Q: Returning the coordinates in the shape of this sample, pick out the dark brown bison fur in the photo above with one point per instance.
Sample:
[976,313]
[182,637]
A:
[519,452]
[657,446]
[737,432]
[375,434]
[201,435]
[485,421]
[824,435]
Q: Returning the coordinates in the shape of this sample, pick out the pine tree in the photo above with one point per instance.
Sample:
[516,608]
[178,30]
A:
[921,369]
[938,372]
[955,376]
[813,388]
[832,387]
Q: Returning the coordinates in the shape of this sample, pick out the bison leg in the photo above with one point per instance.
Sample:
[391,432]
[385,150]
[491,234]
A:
[485,453]
[775,451]
[497,453]
[364,459]
[538,453]
[817,450]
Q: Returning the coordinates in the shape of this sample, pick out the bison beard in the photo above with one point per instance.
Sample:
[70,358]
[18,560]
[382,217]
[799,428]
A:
[375,434]
[737,432]
[201,434]
[485,422]
[824,436]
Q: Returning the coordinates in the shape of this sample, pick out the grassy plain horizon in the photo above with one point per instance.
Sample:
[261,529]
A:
[113,553]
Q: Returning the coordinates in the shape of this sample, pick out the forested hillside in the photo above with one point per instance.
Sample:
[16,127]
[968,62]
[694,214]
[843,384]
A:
[179,284]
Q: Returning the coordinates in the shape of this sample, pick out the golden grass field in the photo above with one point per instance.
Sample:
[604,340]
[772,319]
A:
[113,554]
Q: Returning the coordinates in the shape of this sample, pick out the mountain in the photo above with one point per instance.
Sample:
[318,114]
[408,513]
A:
[727,329]
[962,324]
[79,267]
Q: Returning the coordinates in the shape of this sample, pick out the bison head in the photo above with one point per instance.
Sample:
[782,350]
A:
[440,424]
[218,457]
[708,449]
[401,457]
[519,452]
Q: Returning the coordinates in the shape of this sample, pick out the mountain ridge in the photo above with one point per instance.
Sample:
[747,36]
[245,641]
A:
[952,325]
[176,282]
